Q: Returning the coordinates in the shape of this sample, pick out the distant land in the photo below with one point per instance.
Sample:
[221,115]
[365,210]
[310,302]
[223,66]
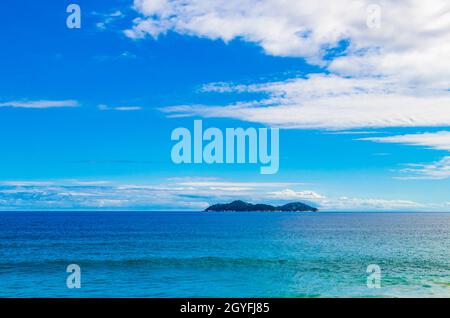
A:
[241,206]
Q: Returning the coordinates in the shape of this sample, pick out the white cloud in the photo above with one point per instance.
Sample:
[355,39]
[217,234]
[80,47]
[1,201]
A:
[107,19]
[354,132]
[433,171]
[344,203]
[412,43]
[127,108]
[395,75]
[77,196]
[88,183]
[25,183]
[358,204]
[119,108]
[40,104]
[438,140]
[236,184]
[111,203]
[291,194]
[172,195]
[125,55]
[330,102]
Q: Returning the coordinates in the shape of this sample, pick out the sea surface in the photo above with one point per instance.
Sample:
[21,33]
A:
[198,254]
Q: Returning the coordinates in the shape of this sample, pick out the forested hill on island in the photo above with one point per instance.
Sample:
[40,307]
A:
[241,206]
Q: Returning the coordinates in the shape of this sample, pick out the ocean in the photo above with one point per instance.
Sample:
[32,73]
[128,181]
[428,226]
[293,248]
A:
[198,254]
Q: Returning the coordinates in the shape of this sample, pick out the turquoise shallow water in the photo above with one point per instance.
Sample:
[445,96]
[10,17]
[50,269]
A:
[195,254]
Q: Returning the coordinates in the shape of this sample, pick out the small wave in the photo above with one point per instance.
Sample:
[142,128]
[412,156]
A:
[205,261]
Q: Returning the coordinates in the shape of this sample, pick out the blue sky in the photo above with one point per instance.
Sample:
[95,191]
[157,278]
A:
[86,114]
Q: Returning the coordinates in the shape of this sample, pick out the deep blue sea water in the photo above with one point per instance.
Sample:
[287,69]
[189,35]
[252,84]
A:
[195,254]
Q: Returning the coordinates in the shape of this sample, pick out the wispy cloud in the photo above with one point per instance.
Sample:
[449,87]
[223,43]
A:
[354,132]
[330,102]
[108,19]
[437,140]
[369,204]
[127,108]
[236,184]
[40,104]
[435,171]
[119,108]
[126,55]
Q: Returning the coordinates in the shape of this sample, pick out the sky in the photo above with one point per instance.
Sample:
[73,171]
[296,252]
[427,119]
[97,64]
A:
[359,91]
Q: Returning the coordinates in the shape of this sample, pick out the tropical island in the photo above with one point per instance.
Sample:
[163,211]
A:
[241,206]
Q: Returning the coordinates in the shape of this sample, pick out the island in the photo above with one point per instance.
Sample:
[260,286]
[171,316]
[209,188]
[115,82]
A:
[241,206]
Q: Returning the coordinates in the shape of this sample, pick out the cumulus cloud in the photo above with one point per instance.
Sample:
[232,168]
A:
[39,104]
[291,194]
[344,203]
[412,41]
[394,74]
